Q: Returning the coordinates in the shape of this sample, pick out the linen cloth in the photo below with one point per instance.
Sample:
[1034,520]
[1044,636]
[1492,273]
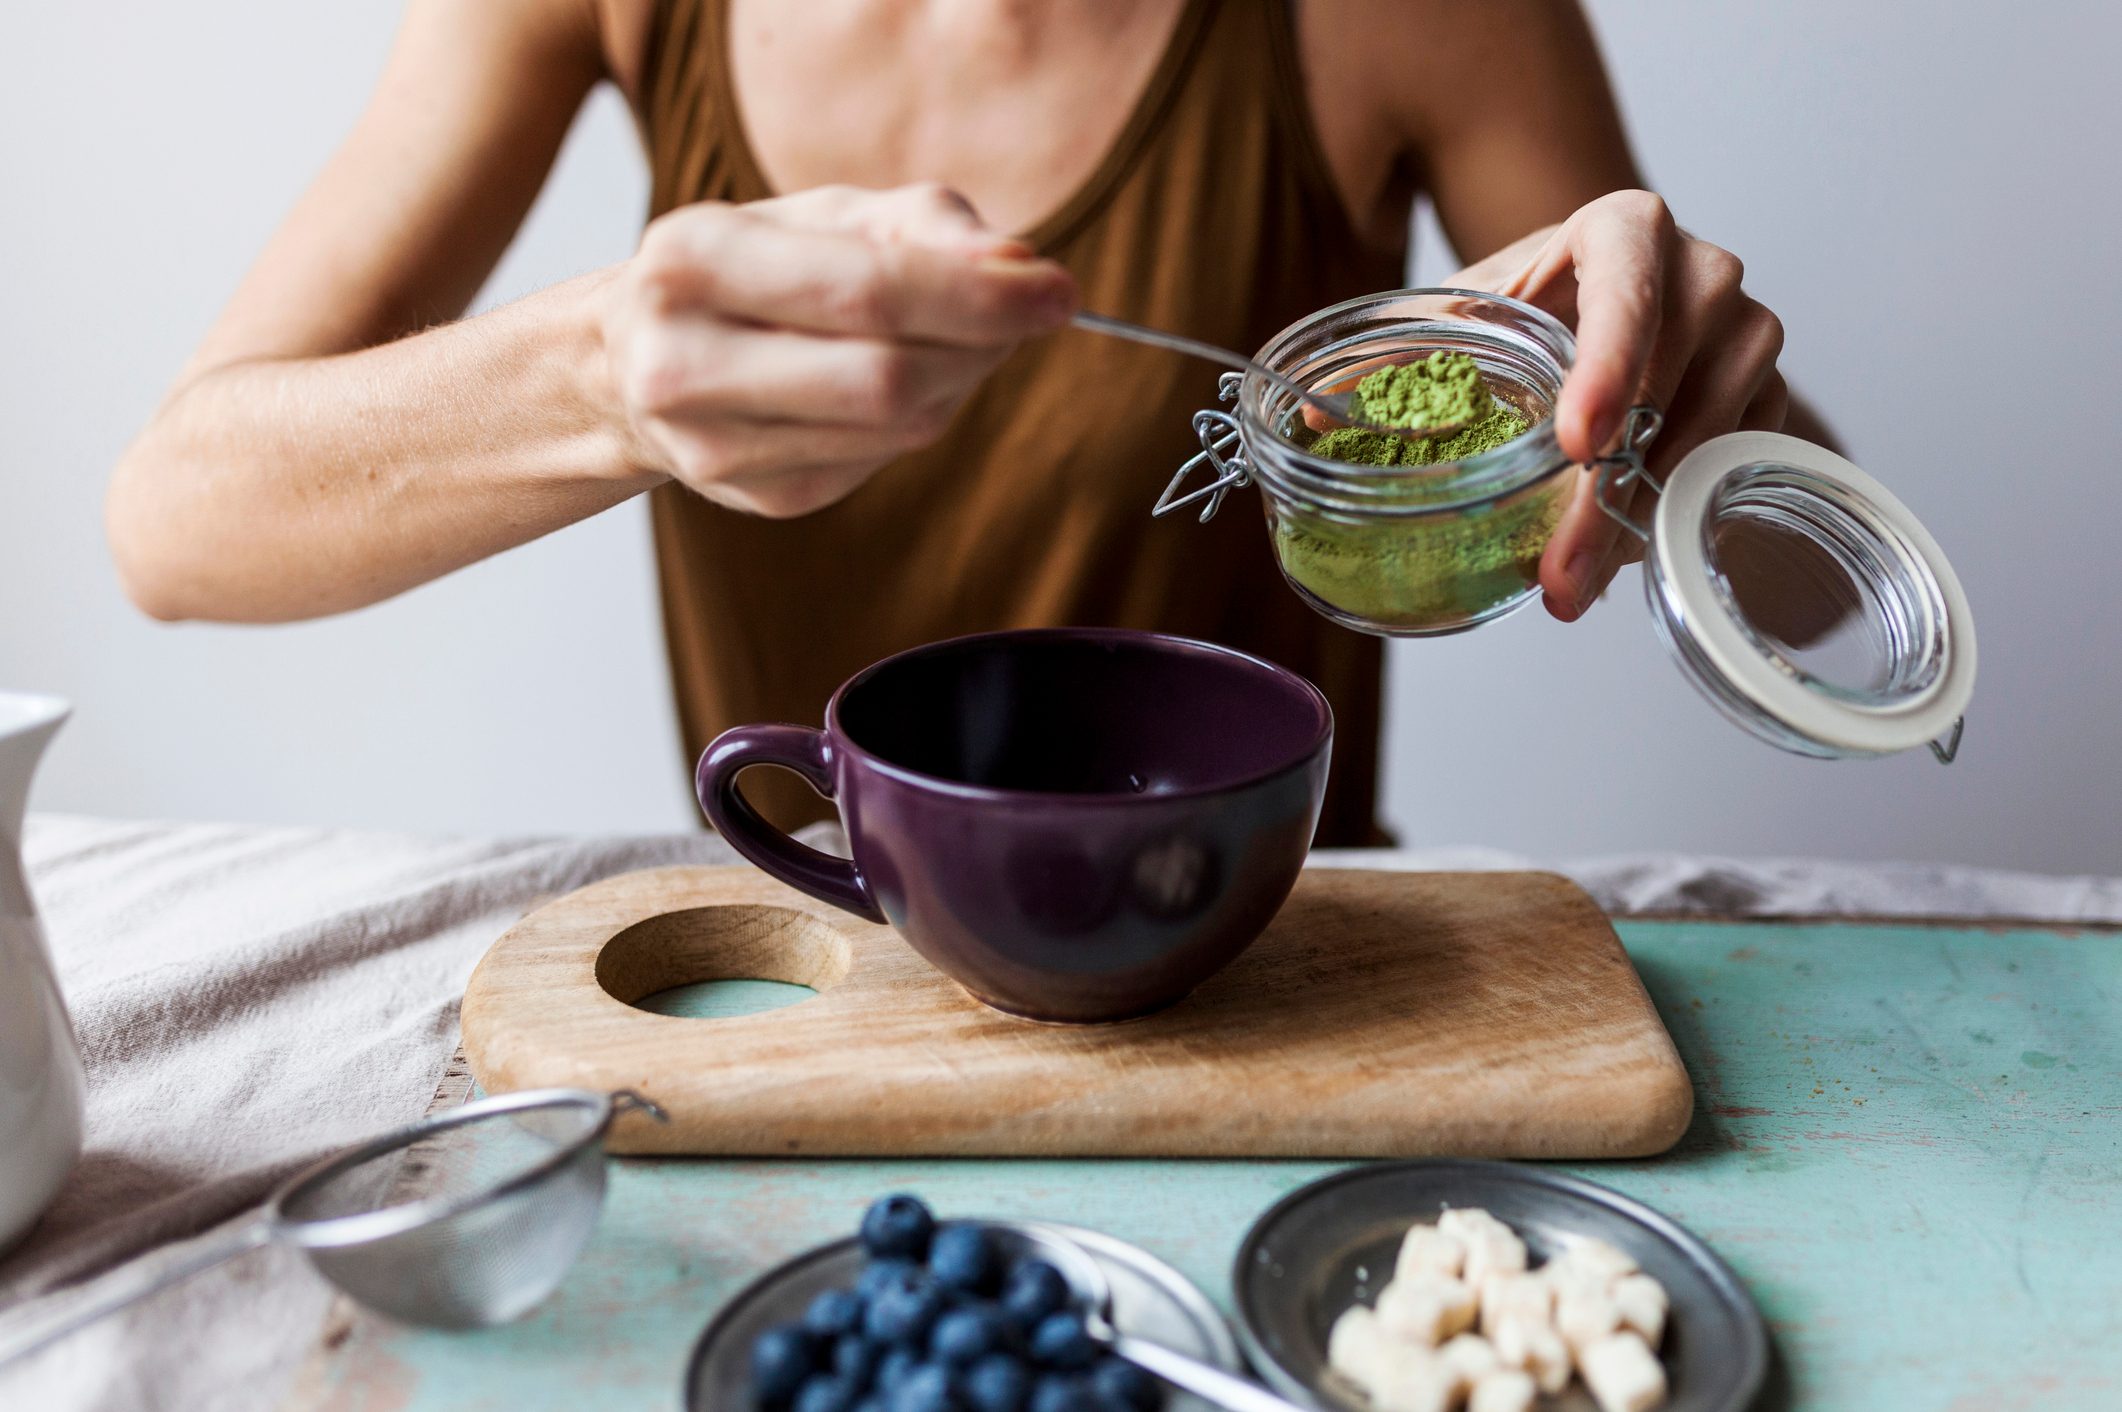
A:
[250,999]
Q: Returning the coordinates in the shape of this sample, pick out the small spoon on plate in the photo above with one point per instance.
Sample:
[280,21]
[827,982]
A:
[1091,1297]
[1339,406]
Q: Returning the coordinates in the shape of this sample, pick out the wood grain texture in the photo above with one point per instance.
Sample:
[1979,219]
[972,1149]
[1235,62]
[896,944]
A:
[1381,1015]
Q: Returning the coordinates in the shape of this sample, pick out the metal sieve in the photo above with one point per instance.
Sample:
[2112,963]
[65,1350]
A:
[510,1188]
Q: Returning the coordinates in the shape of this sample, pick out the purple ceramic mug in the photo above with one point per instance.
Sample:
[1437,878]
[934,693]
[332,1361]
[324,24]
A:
[1074,824]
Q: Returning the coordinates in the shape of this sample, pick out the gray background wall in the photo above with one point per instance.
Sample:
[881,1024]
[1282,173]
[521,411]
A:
[1913,198]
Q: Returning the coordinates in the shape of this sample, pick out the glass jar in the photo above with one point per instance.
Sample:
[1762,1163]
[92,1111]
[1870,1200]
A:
[1805,601]
[1410,551]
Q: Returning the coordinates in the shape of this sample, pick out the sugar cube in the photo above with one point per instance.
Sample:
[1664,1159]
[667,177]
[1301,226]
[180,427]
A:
[1493,1252]
[1415,1380]
[1526,1295]
[1468,1357]
[1429,1251]
[1643,1303]
[1356,1346]
[1426,1309]
[1623,1374]
[1584,1319]
[1532,1345]
[1504,1390]
[1466,1222]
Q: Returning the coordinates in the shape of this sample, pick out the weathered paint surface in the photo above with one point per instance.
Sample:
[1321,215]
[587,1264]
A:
[1907,1141]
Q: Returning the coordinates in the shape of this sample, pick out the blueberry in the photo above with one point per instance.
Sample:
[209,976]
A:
[897,1365]
[833,1313]
[963,1257]
[879,1273]
[1034,1290]
[997,1383]
[782,1358]
[855,1358]
[1061,1341]
[903,1311]
[1062,1394]
[927,1390]
[873,1403]
[898,1226]
[966,1334]
[1122,1387]
[822,1392]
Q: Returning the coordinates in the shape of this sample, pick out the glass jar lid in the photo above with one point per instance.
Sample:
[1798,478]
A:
[1804,600]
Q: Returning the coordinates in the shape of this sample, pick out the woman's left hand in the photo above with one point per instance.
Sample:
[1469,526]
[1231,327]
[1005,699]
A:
[1660,319]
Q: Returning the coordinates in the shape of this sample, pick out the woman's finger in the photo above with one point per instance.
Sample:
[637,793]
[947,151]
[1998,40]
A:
[1729,372]
[1702,300]
[927,212]
[1617,250]
[785,492]
[729,262]
[1571,565]
[930,213]
[1589,545]
[1771,405]
[748,455]
[1508,270]
[1704,338]
[701,367]
[1732,385]
[1626,550]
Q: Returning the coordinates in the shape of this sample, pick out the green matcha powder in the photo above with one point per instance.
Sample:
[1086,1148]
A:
[1422,573]
[1435,391]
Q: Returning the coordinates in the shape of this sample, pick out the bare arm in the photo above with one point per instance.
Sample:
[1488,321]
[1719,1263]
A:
[335,441]
[305,462]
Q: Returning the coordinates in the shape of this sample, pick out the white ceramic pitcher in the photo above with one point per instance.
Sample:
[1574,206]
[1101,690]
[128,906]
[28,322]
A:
[40,1069]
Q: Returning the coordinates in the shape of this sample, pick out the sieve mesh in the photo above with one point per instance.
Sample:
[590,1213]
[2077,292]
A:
[469,1221]
[489,1263]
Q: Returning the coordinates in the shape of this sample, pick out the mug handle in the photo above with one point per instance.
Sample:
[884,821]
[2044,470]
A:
[809,754]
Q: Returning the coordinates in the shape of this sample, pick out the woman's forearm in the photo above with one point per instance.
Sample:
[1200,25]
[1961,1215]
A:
[273,489]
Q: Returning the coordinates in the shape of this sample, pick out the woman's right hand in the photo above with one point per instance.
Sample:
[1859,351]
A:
[772,356]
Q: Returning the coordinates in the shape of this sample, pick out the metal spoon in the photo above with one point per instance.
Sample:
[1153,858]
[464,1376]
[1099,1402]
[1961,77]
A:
[1337,405]
[1092,1297]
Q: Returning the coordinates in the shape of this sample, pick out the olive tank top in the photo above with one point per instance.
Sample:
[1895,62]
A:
[1213,214]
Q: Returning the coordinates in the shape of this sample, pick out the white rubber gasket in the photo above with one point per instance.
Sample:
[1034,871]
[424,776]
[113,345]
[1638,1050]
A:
[1679,557]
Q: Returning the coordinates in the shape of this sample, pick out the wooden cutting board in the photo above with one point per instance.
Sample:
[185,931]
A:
[1381,1015]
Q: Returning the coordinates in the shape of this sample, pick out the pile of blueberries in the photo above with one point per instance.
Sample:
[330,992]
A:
[937,1323]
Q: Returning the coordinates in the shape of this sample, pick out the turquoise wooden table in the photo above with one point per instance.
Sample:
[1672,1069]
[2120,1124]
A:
[1907,1141]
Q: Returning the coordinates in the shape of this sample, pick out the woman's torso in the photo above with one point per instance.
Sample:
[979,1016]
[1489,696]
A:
[1193,195]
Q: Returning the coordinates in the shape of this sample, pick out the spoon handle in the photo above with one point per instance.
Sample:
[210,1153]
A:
[1201,1379]
[1177,342]
[1180,343]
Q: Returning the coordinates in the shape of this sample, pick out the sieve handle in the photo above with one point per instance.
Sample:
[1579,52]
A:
[25,1332]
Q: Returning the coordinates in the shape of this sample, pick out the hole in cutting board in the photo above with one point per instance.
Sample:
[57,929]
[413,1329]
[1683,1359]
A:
[721,962]
[724,1000]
